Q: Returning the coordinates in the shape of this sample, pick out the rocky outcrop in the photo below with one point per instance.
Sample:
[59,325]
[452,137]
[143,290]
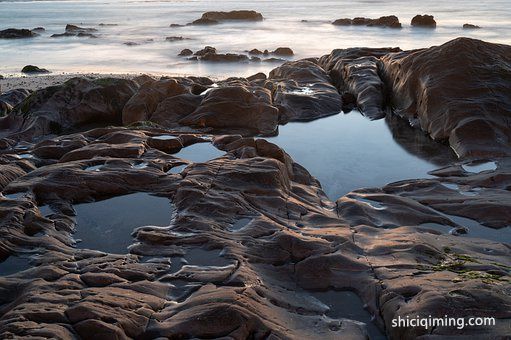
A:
[33,69]
[387,21]
[355,72]
[77,102]
[457,92]
[423,21]
[77,31]
[14,33]
[244,15]
[303,91]
[470,26]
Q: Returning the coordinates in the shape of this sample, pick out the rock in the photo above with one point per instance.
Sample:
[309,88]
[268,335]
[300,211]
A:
[76,102]
[204,21]
[175,38]
[227,57]
[233,15]
[433,88]
[176,25]
[86,35]
[470,26]
[423,21]
[141,106]
[186,52]
[387,21]
[131,43]
[14,33]
[255,51]
[171,110]
[234,108]
[34,69]
[356,74]
[257,76]
[283,51]
[77,29]
[61,35]
[205,50]
[14,97]
[303,91]
[38,29]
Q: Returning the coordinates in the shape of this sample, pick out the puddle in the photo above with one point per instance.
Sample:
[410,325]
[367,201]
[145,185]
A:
[139,166]
[346,304]
[94,168]
[374,204]
[455,187]
[201,258]
[475,229]
[477,168]
[45,210]
[443,229]
[164,137]
[14,264]
[16,195]
[177,169]
[348,151]
[199,152]
[26,156]
[107,225]
[240,224]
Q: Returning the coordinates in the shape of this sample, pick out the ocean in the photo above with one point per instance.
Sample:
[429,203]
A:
[145,24]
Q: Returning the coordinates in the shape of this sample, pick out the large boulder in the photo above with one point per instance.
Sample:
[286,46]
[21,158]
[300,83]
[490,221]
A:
[458,91]
[233,108]
[77,102]
[142,105]
[386,21]
[303,91]
[33,69]
[424,21]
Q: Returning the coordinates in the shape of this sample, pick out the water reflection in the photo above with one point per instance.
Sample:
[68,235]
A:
[347,151]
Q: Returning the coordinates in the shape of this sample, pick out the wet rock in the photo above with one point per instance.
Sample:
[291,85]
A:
[77,29]
[141,106]
[33,69]
[355,72]
[38,29]
[14,97]
[176,25]
[283,51]
[76,102]
[224,57]
[257,76]
[204,21]
[175,38]
[205,50]
[455,105]
[185,53]
[14,33]
[387,21]
[235,107]
[233,15]
[470,26]
[171,110]
[423,21]
[303,91]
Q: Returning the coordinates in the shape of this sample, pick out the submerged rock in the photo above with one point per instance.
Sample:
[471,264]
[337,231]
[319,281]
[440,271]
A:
[14,33]
[233,15]
[387,21]
[470,26]
[423,21]
[457,92]
[185,53]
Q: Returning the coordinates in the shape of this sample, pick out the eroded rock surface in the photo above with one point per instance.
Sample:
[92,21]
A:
[456,92]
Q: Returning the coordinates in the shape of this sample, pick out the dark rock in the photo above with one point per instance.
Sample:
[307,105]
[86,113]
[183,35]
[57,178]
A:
[470,26]
[14,33]
[175,38]
[233,15]
[38,29]
[176,25]
[14,97]
[86,35]
[387,21]
[255,51]
[205,50]
[424,21]
[61,35]
[227,57]
[204,21]
[283,51]
[435,89]
[131,43]
[257,76]
[77,102]
[303,91]
[77,29]
[34,69]
[185,53]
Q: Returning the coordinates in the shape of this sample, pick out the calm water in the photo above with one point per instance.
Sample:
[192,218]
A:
[348,151]
[147,23]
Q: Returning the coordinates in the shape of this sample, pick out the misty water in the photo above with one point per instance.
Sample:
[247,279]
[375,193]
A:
[147,22]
